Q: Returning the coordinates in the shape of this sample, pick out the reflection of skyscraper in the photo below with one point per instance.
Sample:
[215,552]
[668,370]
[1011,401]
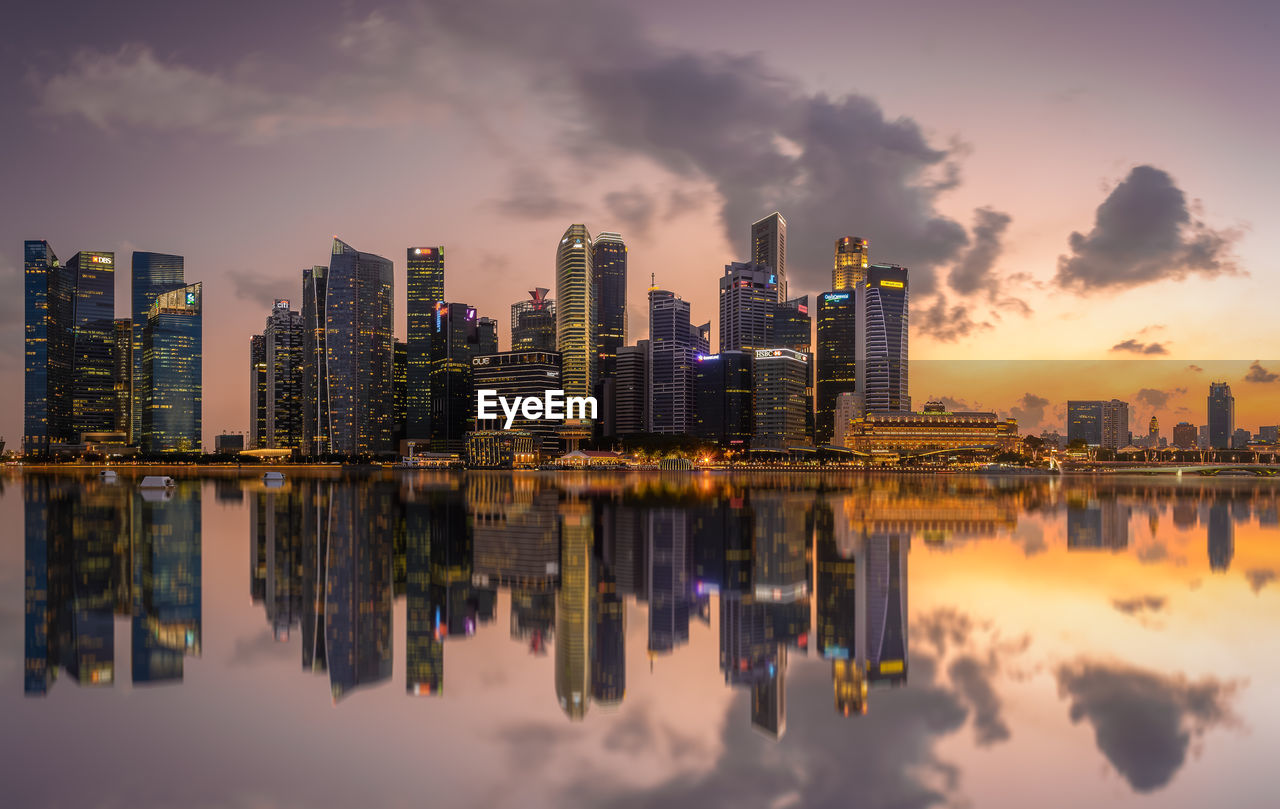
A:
[751,656]
[275,531]
[357,593]
[669,592]
[1098,524]
[573,626]
[608,639]
[1222,537]
[886,608]
[166,582]
[424,619]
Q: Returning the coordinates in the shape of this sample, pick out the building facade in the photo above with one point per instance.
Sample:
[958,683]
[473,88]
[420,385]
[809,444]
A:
[519,373]
[1222,415]
[934,430]
[533,322]
[47,349]
[631,392]
[152,275]
[882,328]
[1098,423]
[576,312]
[609,278]
[769,247]
[674,343]
[780,399]
[748,299]
[723,398]
[852,257]
[172,362]
[424,286]
[837,358]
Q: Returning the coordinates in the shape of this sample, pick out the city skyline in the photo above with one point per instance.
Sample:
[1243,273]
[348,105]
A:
[962,201]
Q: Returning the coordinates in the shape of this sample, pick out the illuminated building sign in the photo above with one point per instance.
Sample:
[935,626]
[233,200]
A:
[191,299]
[770,353]
[892,284]
[100,259]
[836,296]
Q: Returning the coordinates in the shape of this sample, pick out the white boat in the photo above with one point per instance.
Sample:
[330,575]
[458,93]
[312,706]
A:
[156,482]
[270,476]
[107,476]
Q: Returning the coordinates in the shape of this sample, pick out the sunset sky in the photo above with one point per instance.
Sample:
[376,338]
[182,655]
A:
[1070,181]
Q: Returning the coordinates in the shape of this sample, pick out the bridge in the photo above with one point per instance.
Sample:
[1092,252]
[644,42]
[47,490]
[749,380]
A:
[1202,470]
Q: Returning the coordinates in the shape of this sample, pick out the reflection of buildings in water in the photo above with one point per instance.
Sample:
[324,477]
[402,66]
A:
[752,656]
[166,583]
[783,532]
[608,640]
[1098,524]
[837,597]
[573,626]
[1222,536]
[883,577]
[533,616]
[275,537]
[1185,511]
[935,515]
[424,620]
[670,594]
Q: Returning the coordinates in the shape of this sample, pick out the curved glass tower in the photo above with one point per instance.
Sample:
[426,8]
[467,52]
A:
[576,311]
[882,338]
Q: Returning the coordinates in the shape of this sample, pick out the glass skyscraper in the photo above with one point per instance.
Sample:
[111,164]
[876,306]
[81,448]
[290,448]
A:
[851,258]
[424,285]
[153,274]
[769,247]
[355,373]
[1222,415]
[533,323]
[609,278]
[722,398]
[882,314]
[748,299]
[837,357]
[315,381]
[47,345]
[455,339]
[92,342]
[171,362]
[276,376]
[576,311]
[122,376]
[674,343]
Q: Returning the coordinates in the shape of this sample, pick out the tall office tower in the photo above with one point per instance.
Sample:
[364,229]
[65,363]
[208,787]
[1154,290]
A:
[848,408]
[315,383]
[674,343]
[748,300]
[166,584]
[152,274]
[1222,415]
[1184,435]
[670,593]
[172,364]
[399,392]
[852,257]
[769,247]
[881,351]
[257,391]
[837,355]
[883,603]
[455,340]
[93,334]
[48,296]
[518,373]
[631,394]
[283,356]
[424,285]
[1098,423]
[533,323]
[791,326]
[781,400]
[122,373]
[1153,433]
[576,311]
[573,603]
[358,353]
[486,336]
[609,277]
[1115,424]
[722,398]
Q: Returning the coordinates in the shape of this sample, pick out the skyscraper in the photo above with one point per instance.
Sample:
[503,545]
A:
[519,373]
[576,311]
[172,364]
[152,274]
[1222,415]
[257,391]
[315,380]
[723,398]
[281,378]
[837,356]
[780,397]
[631,394]
[609,278]
[533,323]
[792,327]
[486,336]
[93,336]
[881,351]
[122,375]
[1098,423]
[455,340]
[769,247]
[424,285]
[851,259]
[748,299]
[47,347]
[673,344]
[399,391]
[357,364]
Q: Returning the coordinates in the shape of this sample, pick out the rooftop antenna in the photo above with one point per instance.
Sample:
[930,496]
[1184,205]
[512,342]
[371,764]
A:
[653,279]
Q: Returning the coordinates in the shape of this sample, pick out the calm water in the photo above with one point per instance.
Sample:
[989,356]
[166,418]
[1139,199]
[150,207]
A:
[648,639]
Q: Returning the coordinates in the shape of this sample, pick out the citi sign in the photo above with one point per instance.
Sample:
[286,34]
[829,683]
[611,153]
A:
[553,405]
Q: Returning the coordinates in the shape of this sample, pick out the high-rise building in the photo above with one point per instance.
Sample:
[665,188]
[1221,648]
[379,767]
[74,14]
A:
[673,344]
[723,398]
[631,393]
[122,374]
[355,374]
[576,311]
[257,391]
[172,363]
[748,300]
[486,336]
[1222,415]
[93,394]
[769,247]
[848,408]
[837,353]
[533,322]
[454,342]
[851,260]
[152,274]
[315,395]
[780,399]
[519,373]
[48,292]
[882,328]
[1098,423]
[424,285]
[399,392]
[1184,435]
[1115,424]
[277,371]
[609,278]
[791,326]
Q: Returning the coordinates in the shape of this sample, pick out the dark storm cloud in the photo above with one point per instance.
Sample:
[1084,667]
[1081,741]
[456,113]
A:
[1259,578]
[1143,721]
[972,678]
[1195,369]
[1144,232]
[1139,604]
[974,272]
[532,195]
[1029,411]
[1133,346]
[945,627]
[634,209]
[1158,399]
[251,286]
[946,322]
[1259,374]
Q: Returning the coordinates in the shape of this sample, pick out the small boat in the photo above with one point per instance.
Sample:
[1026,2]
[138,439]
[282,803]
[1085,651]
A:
[107,476]
[156,482]
[273,478]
